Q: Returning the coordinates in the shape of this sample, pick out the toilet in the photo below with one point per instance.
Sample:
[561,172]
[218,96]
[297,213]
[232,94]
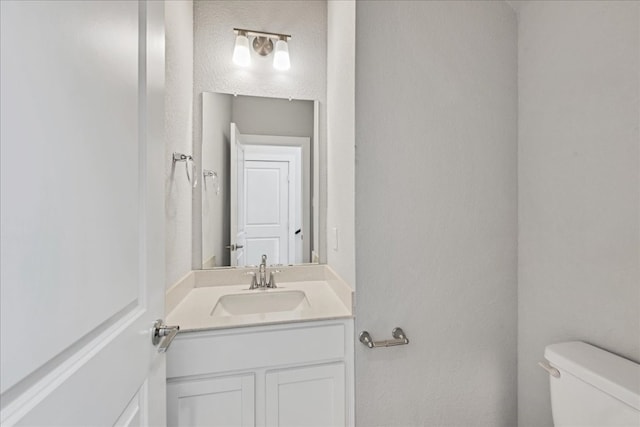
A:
[592,387]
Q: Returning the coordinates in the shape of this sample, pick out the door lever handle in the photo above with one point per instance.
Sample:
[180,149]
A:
[163,335]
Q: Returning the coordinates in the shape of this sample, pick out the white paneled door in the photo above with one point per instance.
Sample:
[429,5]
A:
[266,200]
[267,212]
[82,247]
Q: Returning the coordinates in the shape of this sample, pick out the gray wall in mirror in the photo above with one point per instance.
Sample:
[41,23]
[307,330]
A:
[253,116]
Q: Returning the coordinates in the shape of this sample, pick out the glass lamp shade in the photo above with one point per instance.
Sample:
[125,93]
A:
[281,57]
[241,54]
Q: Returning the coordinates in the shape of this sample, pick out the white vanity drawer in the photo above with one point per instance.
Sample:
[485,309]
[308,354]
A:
[207,352]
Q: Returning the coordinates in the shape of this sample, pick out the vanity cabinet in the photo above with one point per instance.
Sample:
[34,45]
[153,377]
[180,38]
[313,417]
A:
[298,374]
[224,401]
[306,396]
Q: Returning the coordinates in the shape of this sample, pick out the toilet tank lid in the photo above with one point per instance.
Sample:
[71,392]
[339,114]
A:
[606,371]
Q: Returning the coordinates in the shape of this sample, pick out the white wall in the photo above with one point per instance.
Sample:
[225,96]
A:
[268,116]
[436,102]
[178,119]
[579,217]
[214,71]
[341,40]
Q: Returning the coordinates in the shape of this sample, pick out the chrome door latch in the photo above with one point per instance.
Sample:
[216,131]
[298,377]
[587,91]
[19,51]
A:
[163,335]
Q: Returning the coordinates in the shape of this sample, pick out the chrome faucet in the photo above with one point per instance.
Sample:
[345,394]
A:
[263,272]
[260,282]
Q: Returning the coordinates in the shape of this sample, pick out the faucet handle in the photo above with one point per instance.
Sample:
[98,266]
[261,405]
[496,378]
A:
[272,279]
[254,282]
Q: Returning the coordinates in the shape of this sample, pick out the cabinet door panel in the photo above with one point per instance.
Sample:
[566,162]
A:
[224,402]
[306,397]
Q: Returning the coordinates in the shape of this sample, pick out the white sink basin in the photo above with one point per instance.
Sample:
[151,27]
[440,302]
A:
[268,301]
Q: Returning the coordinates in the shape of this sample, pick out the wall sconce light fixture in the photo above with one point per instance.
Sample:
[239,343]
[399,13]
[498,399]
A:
[263,46]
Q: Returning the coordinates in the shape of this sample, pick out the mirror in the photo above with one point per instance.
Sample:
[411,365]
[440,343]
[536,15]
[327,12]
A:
[259,171]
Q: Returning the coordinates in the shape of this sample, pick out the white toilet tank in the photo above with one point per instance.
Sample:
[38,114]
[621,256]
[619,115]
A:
[595,387]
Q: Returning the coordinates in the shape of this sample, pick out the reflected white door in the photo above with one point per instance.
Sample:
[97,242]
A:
[268,209]
[237,208]
[82,247]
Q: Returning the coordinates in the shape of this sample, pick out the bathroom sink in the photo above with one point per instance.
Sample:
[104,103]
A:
[268,301]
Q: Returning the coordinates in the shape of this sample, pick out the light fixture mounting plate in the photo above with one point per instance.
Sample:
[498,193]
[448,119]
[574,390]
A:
[262,45]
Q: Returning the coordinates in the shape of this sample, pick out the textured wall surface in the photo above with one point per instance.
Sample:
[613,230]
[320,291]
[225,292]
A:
[341,40]
[214,71]
[436,212]
[305,20]
[178,122]
[579,256]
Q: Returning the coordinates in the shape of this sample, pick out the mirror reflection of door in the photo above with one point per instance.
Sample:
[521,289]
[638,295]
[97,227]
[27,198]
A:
[264,123]
[268,208]
[267,211]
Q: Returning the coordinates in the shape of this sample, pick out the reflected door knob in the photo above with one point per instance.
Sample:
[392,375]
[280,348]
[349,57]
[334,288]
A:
[233,247]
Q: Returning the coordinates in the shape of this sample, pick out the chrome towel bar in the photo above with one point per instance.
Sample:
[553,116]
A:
[399,338]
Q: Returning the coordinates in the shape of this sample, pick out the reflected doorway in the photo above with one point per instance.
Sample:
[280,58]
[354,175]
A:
[268,216]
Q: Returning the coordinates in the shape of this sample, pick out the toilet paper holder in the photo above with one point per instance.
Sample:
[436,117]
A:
[399,338]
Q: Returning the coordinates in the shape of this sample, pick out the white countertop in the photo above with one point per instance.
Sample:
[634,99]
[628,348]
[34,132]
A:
[194,311]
